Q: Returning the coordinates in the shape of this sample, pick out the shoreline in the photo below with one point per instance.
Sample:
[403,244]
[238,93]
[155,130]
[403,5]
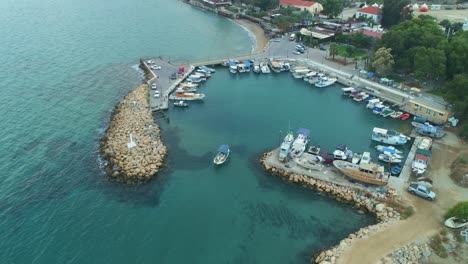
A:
[260,39]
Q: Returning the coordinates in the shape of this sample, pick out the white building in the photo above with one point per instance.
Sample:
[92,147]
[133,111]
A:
[373,12]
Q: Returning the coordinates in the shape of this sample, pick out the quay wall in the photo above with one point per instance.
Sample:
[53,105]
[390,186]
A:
[361,199]
[140,163]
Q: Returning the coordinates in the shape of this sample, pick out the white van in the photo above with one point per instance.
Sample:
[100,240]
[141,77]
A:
[292,37]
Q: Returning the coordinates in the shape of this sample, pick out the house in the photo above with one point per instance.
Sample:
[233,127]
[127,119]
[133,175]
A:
[373,12]
[432,110]
[312,7]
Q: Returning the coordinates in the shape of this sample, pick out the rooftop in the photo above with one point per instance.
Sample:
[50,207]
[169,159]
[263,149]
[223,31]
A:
[372,33]
[373,10]
[297,2]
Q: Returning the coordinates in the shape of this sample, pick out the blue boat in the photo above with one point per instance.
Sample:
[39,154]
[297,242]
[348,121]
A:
[247,65]
[223,154]
[430,131]
[396,170]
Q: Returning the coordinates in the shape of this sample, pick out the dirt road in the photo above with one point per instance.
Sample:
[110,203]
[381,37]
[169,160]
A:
[428,217]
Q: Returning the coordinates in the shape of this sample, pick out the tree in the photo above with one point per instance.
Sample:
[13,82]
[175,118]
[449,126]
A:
[383,61]
[360,40]
[429,63]
[460,210]
[392,12]
[457,94]
[332,8]
[457,54]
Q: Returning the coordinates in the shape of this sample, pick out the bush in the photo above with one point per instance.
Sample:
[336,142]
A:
[460,210]
[437,246]
[464,131]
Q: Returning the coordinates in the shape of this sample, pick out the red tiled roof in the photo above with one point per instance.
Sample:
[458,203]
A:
[372,33]
[373,10]
[297,2]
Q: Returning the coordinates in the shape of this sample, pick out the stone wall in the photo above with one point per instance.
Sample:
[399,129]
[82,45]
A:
[360,199]
[133,116]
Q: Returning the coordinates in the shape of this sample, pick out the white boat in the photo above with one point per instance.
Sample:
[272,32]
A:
[300,73]
[454,222]
[188,85]
[289,138]
[381,148]
[356,158]
[388,158]
[207,74]
[396,114]
[232,67]
[181,104]
[257,67]
[314,150]
[275,66]
[425,143]
[300,143]
[284,151]
[264,67]
[186,96]
[223,154]
[325,81]
[366,158]
[314,80]
[419,164]
[348,90]
[340,152]
[241,68]
[372,103]
[388,136]
[207,69]
[312,162]
[196,79]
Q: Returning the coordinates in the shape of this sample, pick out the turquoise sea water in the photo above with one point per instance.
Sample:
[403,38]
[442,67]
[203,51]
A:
[66,63]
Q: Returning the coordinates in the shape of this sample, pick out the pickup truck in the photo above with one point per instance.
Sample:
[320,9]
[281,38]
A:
[421,191]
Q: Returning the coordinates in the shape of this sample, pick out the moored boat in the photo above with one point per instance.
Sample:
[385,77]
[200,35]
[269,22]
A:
[396,169]
[299,144]
[241,68]
[284,151]
[388,136]
[347,90]
[232,67]
[425,143]
[340,152]
[430,131]
[387,111]
[366,158]
[389,158]
[310,162]
[264,67]
[405,116]
[454,222]
[368,172]
[325,81]
[186,96]
[356,158]
[205,68]
[396,114]
[222,155]
[371,103]
[181,104]
[419,163]
[257,67]
[391,149]
[315,149]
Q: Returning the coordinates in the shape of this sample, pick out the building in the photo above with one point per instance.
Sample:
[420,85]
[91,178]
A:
[428,108]
[373,12]
[312,7]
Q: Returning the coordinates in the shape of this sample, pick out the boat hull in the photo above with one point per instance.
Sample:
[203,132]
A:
[351,170]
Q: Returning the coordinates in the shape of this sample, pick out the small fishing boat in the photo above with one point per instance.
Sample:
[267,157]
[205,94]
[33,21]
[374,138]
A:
[369,173]
[264,67]
[223,154]
[205,68]
[325,81]
[358,97]
[372,103]
[378,108]
[430,131]
[347,90]
[314,80]
[356,158]
[405,116]
[247,66]
[389,158]
[396,114]
[340,152]
[312,162]
[366,158]
[284,151]
[387,111]
[315,149]
[300,73]
[188,85]
[454,222]
[419,164]
[257,67]
[289,138]
[181,104]
[241,68]
[388,136]
[425,143]
[396,169]
[186,96]
[232,67]
[392,149]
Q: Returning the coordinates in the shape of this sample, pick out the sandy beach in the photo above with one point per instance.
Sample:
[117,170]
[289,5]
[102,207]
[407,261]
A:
[262,40]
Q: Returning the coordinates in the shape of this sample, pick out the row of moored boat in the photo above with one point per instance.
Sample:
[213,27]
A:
[187,90]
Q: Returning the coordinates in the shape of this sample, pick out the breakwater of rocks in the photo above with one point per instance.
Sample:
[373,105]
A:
[363,200]
[132,147]
[413,253]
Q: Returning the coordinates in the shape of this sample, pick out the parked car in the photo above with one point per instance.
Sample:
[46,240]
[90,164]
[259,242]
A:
[421,191]
[156,67]
[322,47]
[156,94]
[154,86]
[296,52]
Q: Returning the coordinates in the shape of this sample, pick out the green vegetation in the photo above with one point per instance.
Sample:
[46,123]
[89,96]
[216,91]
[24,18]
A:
[383,61]
[358,40]
[460,210]
[232,9]
[263,4]
[457,94]
[290,16]
[392,12]
[438,92]
[437,246]
[346,51]
[332,8]
[464,131]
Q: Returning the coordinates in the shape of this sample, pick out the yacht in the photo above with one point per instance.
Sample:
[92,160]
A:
[389,136]
[264,67]
[340,152]
[222,155]
[300,143]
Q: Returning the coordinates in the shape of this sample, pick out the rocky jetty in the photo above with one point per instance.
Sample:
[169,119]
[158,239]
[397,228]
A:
[413,253]
[363,200]
[139,158]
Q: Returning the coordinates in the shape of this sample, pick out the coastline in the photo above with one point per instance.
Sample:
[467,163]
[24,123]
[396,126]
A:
[261,41]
